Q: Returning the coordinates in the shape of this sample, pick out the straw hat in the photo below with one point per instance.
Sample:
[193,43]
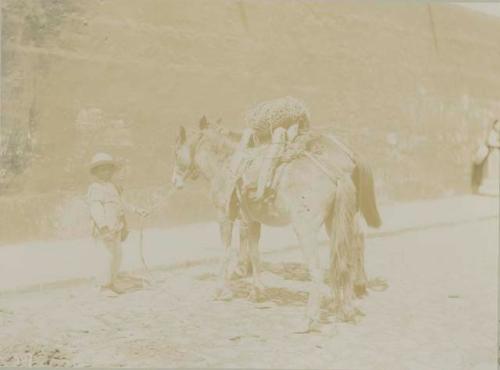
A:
[101,159]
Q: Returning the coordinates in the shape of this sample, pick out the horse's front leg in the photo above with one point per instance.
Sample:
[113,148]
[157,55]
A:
[250,234]
[226,232]
[255,229]
[245,263]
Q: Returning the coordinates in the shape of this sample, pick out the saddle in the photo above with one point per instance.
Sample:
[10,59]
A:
[327,151]
[248,182]
[253,158]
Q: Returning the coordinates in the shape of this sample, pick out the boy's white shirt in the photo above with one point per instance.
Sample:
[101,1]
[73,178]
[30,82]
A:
[106,205]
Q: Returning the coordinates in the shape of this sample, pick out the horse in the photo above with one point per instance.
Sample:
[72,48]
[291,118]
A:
[307,197]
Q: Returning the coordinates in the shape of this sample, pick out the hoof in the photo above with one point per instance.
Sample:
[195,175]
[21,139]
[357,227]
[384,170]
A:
[378,284]
[350,315]
[308,326]
[243,270]
[256,295]
[238,273]
[216,294]
[360,290]
[313,326]
[260,287]
[223,294]
[253,295]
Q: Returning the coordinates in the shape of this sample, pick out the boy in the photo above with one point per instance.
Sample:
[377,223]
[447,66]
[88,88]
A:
[107,214]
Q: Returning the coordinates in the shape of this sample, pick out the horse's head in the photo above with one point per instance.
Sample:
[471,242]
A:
[202,152]
[185,151]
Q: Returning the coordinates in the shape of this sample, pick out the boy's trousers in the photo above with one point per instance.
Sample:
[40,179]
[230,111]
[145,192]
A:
[109,259]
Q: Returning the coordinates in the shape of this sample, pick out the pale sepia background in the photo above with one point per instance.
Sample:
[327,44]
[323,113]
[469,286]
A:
[121,76]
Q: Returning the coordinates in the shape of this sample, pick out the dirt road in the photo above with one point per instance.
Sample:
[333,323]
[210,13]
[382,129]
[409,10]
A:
[439,312]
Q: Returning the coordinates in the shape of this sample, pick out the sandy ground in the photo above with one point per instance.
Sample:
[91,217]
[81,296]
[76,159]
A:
[40,263]
[439,312]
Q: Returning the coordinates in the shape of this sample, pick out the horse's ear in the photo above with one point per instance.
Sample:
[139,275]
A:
[181,136]
[203,123]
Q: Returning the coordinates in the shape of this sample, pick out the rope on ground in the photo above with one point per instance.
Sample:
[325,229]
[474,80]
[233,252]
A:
[141,230]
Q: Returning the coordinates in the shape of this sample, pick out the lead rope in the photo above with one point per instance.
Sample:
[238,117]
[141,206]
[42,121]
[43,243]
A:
[141,235]
[141,244]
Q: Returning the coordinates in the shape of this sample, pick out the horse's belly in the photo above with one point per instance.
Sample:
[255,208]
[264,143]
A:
[270,216]
[274,221]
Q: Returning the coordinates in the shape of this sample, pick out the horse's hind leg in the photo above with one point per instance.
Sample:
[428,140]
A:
[253,237]
[360,279]
[310,247]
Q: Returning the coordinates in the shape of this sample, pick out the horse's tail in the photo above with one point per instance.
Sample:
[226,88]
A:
[367,202]
[342,235]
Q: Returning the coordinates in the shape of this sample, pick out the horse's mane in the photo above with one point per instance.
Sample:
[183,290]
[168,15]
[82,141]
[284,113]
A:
[225,141]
